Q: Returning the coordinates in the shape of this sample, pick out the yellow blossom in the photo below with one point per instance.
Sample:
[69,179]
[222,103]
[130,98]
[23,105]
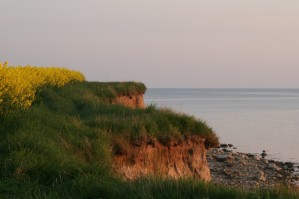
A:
[18,84]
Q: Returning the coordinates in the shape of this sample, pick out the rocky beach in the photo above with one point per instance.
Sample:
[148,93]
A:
[245,170]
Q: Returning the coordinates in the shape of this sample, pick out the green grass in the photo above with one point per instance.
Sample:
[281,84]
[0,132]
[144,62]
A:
[63,145]
[86,103]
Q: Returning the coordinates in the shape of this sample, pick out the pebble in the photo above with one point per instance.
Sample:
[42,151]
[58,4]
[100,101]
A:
[265,161]
[296,178]
[244,170]
[274,166]
[250,155]
[279,176]
[223,145]
[220,158]
[226,150]
[257,158]
[289,164]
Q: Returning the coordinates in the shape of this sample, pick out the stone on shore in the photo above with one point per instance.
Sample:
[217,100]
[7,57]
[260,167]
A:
[244,170]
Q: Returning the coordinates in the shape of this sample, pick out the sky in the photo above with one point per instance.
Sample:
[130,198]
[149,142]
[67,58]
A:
[163,43]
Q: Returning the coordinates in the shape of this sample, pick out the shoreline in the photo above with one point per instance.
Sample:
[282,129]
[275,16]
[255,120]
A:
[246,170]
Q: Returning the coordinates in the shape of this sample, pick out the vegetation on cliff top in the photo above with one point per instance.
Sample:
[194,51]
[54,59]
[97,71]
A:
[63,145]
[18,85]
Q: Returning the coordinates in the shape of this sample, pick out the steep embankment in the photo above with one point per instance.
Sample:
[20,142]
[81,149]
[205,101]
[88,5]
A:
[184,158]
[168,157]
[176,158]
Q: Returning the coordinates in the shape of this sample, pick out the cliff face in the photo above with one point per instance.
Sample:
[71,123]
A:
[177,159]
[135,101]
[185,158]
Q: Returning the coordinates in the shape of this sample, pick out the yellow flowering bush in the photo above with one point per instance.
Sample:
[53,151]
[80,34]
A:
[19,84]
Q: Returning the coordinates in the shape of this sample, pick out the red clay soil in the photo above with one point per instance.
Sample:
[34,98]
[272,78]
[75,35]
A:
[184,158]
[135,101]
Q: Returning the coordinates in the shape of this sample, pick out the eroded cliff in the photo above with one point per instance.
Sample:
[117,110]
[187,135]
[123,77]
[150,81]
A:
[133,101]
[183,158]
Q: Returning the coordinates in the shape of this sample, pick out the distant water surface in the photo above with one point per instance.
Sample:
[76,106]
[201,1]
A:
[251,119]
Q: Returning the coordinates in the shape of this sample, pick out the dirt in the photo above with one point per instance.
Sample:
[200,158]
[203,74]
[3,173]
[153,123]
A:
[134,101]
[185,158]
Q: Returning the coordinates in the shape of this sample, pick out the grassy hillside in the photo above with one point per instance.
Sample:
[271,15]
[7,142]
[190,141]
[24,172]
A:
[63,145]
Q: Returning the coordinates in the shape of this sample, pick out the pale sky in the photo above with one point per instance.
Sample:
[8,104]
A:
[163,43]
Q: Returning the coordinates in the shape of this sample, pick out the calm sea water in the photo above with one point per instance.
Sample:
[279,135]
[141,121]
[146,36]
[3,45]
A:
[251,119]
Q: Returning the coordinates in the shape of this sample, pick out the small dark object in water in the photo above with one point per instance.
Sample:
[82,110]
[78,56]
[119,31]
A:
[264,154]
[264,151]
[235,148]
[230,145]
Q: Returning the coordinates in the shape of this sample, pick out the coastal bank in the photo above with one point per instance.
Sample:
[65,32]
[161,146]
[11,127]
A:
[77,141]
[222,165]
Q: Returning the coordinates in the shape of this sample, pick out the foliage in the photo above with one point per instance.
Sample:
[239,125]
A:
[88,101]
[18,85]
[61,147]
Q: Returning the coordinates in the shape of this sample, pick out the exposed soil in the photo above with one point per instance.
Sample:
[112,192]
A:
[134,101]
[171,158]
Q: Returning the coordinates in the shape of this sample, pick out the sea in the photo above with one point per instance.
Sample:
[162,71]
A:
[252,120]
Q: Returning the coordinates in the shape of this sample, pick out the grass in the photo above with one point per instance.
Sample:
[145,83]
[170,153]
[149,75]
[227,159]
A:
[87,102]
[63,145]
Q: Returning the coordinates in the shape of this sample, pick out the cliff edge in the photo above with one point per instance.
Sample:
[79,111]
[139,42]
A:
[184,158]
[176,158]
[133,101]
